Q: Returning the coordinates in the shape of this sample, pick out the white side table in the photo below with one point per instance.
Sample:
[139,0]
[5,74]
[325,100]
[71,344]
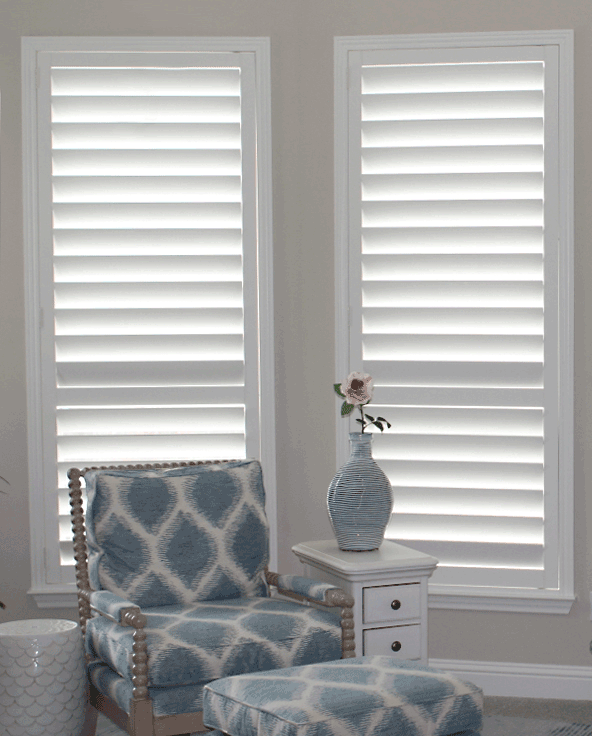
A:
[390,589]
[42,678]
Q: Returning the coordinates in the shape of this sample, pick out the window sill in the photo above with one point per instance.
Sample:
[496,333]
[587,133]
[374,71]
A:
[441,596]
[55,596]
[513,600]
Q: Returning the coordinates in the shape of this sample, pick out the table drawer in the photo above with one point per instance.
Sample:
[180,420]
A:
[403,642]
[391,603]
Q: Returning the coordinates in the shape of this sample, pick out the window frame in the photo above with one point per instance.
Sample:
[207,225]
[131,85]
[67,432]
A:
[43,529]
[504,599]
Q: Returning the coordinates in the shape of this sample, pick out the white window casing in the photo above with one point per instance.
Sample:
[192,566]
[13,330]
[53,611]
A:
[147,193]
[454,269]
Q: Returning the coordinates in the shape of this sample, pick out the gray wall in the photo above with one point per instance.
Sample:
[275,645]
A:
[301,34]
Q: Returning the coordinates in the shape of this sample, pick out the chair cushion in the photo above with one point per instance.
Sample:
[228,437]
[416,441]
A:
[198,643]
[365,696]
[166,701]
[179,535]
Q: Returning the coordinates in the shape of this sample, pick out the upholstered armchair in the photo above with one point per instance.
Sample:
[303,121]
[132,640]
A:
[174,591]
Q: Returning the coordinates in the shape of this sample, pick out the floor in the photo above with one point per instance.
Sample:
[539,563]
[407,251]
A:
[538,711]
[572,711]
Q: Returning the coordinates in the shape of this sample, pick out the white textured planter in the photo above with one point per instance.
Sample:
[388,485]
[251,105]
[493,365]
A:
[42,678]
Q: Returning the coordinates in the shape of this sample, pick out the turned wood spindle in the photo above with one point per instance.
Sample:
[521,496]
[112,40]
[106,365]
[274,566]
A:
[80,554]
[139,654]
[338,597]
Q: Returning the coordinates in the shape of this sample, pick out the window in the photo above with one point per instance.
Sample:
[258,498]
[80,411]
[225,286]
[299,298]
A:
[148,239]
[454,291]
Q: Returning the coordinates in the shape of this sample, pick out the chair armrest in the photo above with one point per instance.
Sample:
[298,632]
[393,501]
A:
[126,613]
[111,606]
[325,594]
[311,590]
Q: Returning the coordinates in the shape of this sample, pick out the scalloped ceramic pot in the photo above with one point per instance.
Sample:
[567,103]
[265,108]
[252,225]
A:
[42,678]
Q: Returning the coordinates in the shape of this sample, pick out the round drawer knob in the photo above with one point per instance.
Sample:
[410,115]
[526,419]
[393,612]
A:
[395,605]
[396,646]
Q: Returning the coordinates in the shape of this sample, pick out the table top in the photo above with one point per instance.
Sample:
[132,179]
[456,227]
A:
[388,555]
[36,627]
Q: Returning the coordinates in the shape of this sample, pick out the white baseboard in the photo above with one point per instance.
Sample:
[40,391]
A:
[512,679]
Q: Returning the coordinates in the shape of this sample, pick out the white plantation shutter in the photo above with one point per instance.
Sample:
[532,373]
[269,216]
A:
[454,234]
[148,262]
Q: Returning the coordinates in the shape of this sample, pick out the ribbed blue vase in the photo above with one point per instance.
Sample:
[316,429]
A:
[360,498]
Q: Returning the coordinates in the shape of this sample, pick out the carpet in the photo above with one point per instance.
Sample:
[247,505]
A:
[493,726]
[506,726]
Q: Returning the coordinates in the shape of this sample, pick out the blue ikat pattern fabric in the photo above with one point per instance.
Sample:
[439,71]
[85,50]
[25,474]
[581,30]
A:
[199,643]
[166,701]
[178,535]
[109,603]
[365,696]
[313,589]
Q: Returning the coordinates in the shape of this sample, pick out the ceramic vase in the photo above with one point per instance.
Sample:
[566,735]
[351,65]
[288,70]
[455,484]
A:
[360,498]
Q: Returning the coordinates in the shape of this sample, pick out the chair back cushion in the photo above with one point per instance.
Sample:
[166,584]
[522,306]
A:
[178,535]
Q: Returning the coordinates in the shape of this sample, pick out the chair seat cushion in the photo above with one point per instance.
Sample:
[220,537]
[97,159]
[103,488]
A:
[365,696]
[201,642]
[166,701]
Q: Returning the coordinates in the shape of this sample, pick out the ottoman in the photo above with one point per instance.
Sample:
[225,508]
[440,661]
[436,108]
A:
[364,696]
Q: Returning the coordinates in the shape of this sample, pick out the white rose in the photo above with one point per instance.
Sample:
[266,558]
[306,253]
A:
[358,388]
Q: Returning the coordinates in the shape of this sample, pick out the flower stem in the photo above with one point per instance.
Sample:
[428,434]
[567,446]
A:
[361,406]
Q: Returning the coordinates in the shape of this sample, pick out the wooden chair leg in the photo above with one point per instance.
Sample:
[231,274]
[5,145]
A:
[141,721]
[90,721]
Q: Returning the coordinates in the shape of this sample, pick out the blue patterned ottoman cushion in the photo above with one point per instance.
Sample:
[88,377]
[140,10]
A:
[196,644]
[179,535]
[365,696]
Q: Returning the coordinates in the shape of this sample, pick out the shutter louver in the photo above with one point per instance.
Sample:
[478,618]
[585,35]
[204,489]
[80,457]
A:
[149,226]
[453,245]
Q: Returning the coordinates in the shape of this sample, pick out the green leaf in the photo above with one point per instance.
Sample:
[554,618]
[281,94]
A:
[369,417]
[362,422]
[379,425]
[337,389]
[346,409]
